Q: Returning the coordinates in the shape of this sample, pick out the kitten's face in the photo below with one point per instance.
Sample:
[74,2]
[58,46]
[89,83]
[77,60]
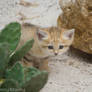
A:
[54,41]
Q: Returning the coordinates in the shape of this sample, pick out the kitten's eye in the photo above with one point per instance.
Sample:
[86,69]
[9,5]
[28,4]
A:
[50,47]
[61,47]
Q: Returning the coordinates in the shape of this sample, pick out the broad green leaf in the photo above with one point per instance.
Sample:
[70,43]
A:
[20,53]
[11,34]
[9,85]
[29,78]
[16,73]
[34,79]
[4,58]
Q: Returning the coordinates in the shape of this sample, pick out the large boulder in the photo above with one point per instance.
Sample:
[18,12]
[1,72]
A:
[78,14]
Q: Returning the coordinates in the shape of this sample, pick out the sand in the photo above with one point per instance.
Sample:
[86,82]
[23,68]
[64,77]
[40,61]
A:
[71,72]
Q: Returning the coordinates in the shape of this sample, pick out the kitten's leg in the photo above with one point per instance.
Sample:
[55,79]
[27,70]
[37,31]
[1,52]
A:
[26,63]
[44,65]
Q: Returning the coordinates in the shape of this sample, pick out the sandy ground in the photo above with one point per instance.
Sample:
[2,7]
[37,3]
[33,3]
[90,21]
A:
[71,72]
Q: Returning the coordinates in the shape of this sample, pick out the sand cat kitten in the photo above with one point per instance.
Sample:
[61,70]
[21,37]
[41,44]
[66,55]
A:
[47,42]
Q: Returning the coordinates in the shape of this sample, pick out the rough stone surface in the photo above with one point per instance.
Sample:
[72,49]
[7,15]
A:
[71,72]
[78,15]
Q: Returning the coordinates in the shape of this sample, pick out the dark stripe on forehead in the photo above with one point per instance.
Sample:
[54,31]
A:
[54,33]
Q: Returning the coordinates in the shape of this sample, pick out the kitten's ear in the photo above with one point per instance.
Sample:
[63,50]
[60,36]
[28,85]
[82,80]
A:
[42,35]
[68,35]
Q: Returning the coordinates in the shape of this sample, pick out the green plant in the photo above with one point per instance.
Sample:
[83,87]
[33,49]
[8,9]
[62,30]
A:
[13,75]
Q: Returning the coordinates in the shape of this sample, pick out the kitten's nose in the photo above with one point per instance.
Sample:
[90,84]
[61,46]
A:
[56,54]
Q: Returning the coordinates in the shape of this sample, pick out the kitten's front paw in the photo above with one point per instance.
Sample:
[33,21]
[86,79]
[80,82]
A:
[44,66]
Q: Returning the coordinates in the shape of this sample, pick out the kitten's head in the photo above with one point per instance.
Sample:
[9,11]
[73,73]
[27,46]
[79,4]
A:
[55,41]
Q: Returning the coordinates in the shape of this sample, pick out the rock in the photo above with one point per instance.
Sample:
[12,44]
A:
[78,15]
